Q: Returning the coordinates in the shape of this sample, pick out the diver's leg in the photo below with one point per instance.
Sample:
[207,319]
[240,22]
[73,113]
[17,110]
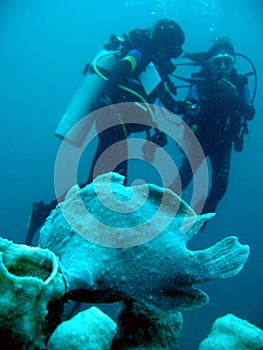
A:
[220,162]
[109,156]
[183,178]
[186,172]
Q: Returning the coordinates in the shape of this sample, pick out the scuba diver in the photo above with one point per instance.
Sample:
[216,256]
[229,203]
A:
[146,48]
[219,107]
[140,74]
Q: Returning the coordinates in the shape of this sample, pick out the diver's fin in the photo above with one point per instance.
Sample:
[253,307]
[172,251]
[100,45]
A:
[40,211]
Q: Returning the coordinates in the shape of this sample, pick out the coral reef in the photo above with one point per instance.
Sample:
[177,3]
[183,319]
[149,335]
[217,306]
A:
[31,287]
[143,329]
[231,332]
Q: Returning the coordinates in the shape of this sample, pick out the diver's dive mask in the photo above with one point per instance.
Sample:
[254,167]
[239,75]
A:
[222,62]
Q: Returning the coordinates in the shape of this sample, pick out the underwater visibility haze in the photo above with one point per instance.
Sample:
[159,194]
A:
[44,47]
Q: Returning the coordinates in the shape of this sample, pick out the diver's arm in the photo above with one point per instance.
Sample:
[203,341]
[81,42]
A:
[177,107]
[242,104]
[250,109]
[166,93]
[125,68]
[238,101]
[191,102]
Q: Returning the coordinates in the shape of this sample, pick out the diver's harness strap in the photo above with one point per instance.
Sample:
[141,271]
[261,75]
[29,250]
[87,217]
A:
[239,139]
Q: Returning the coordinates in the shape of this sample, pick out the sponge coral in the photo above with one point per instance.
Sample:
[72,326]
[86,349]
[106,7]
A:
[231,332]
[31,284]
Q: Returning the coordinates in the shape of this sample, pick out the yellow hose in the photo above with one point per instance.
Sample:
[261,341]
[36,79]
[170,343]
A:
[95,67]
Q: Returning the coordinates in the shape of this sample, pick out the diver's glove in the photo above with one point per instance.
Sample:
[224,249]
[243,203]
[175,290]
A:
[227,87]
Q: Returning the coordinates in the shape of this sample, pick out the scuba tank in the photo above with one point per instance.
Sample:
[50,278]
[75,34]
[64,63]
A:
[73,127]
[87,94]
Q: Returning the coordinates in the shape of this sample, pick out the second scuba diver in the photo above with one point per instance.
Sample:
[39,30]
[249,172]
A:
[219,108]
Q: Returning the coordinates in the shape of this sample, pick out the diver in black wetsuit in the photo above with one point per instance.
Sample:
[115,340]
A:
[219,108]
[157,46]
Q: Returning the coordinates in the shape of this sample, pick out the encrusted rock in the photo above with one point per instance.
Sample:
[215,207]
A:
[231,332]
[143,329]
[90,329]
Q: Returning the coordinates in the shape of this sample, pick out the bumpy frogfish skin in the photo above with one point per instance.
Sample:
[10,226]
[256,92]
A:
[130,243]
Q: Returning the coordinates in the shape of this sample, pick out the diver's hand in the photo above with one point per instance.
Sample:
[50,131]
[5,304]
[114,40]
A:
[192,108]
[159,138]
[227,87]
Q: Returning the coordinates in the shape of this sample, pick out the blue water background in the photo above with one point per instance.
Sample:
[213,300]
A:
[44,46]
